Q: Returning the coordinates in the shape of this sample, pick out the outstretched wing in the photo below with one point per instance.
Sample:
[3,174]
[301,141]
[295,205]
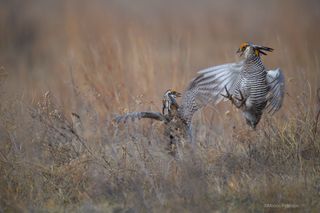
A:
[275,80]
[138,115]
[208,86]
[211,82]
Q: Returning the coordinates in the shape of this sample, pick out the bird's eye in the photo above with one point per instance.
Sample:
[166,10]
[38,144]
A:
[243,46]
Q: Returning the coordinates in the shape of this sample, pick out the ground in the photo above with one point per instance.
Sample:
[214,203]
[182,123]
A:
[67,68]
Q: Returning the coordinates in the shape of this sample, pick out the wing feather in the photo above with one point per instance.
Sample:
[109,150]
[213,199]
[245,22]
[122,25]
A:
[208,86]
[276,82]
[211,82]
[138,115]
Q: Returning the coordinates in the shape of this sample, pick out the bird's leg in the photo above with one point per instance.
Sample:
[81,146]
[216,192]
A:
[240,100]
[228,96]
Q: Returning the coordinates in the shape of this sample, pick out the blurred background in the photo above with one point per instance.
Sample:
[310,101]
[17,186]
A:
[117,50]
[100,58]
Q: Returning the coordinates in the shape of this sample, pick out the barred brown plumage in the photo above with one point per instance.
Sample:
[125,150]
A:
[247,84]
[176,128]
[169,102]
[177,118]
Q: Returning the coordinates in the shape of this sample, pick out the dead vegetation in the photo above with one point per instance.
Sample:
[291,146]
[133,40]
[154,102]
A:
[60,150]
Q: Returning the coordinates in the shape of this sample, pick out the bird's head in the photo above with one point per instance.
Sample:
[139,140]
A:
[172,93]
[248,49]
[169,101]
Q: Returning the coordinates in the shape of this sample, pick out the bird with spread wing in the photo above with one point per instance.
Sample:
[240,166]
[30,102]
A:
[247,84]
[176,117]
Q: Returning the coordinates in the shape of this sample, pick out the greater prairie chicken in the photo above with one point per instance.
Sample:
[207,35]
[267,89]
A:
[176,129]
[247,84]
[177,118]
[169,110]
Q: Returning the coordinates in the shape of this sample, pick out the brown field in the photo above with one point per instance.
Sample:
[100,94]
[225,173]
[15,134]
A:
[102,58]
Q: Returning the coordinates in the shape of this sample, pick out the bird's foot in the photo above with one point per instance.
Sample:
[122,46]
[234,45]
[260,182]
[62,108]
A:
[228,95]
[240,101]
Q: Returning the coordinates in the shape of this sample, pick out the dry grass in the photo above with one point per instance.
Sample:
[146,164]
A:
[101,58]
